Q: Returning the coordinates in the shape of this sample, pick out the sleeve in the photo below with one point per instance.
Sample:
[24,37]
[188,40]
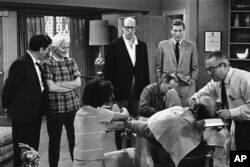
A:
[172,99]
[141,128]
[13,83]
[109,64]
[105,115]
[194,63]
[47,72]
[207,90]
[242,105]
[145,109]
[158,63]
[75,69]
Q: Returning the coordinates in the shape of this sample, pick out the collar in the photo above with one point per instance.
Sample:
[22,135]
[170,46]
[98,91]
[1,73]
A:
[188,115]
[229,75]
[33,58]
[60,60]
[174,41]
[134,42]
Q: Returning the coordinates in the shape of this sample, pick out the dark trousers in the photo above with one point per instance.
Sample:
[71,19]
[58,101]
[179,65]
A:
[27,133]
[55,122]
[242,137]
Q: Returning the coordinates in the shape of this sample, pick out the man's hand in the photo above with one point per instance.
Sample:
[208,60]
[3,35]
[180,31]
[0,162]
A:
[191,82]
[224,114]
[191,103]
[124,111]
[116,108]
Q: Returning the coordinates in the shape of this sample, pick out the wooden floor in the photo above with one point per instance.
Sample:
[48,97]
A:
[65,160]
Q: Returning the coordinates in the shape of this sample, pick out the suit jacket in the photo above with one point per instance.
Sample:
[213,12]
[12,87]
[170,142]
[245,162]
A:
[120,70]
[165,62]
[21,93]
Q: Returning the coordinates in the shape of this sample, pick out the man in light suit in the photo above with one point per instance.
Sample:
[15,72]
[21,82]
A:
[179,56]
[23,96]
[126,67]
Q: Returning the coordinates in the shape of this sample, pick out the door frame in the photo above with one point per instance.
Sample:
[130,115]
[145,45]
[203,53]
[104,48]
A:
[172,13]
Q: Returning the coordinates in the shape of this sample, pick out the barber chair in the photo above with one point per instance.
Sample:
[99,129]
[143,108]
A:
[120,158]
[201,156]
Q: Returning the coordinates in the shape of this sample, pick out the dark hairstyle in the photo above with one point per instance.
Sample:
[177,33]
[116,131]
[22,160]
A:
[39,41]
[178,22]
[205,108]
[169,77]
[97,93]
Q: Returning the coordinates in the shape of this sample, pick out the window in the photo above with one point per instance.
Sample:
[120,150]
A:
[56,24]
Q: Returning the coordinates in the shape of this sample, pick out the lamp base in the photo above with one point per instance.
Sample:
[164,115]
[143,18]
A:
[99,63]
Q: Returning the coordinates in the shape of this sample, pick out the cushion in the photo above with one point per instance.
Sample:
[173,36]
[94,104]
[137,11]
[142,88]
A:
[5,136]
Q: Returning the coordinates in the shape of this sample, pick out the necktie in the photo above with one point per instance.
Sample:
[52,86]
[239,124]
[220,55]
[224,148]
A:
[224,102]
[177,51]
[40,75]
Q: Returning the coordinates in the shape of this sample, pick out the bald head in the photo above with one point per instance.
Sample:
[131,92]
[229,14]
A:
[129,28]
[129,20]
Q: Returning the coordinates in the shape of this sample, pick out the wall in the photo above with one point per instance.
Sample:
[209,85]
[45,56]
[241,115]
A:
[213,16]
[8,48]
[144,5]
[190,7]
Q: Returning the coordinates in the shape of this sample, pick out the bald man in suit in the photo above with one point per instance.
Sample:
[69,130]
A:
[127,68]
[178,56]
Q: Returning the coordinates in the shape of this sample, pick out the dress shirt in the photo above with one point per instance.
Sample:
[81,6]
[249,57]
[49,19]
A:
[174,41]
[38,71]
[237,83]
[131,49]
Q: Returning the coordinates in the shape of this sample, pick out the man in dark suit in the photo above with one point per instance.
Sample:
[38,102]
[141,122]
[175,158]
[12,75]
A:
[23,95]
[178,56]
[127,68]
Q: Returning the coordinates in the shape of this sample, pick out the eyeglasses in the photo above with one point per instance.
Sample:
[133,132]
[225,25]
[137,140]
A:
[213,68]
[127,28]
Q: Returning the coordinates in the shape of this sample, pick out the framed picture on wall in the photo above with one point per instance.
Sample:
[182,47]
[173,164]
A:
[212,41]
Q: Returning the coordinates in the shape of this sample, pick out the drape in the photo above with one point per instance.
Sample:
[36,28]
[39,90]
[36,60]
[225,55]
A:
[84,55]
[28,25]
[80,50]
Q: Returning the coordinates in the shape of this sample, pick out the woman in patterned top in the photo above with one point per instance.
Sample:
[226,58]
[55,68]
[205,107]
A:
[62,78]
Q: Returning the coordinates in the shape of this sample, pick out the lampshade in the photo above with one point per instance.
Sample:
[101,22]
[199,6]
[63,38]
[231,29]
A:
[98,32]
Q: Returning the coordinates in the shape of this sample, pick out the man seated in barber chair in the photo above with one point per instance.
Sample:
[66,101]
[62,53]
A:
[180,132]
[156,97]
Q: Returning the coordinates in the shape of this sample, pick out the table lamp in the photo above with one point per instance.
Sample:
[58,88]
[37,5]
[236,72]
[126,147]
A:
[99,36]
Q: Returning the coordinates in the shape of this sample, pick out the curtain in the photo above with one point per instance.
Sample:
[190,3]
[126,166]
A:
[80,51]
[28,25]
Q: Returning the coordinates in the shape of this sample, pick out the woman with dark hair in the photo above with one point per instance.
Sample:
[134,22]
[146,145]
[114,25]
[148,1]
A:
[90,123]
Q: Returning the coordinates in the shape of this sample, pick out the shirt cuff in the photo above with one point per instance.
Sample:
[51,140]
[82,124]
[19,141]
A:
[234,112]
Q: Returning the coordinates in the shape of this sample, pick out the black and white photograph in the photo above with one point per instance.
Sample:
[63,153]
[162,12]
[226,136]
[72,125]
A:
[124,83]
